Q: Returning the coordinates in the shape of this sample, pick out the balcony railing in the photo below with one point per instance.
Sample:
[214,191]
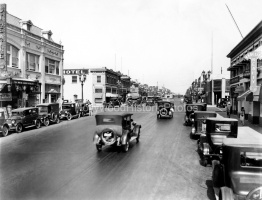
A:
[246,74]
[234,80]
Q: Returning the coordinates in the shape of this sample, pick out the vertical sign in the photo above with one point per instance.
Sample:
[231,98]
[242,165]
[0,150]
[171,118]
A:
[3,37]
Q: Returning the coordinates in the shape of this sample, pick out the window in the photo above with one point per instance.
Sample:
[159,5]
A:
[108,90]
[98,90]
[222,128]
[98,100]
[12,56]
[51,66]
[98,79]
[251,159]
[74,79]
[32,62]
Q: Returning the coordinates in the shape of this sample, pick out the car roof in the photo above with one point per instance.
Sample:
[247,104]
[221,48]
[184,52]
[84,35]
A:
[247,137]
[222,119]
[123,114]
[46,104]
[165,101]
[22,109]
[205,112]
[195,104]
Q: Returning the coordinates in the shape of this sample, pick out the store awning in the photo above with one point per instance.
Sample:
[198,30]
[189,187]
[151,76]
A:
[257,95]
[245,96]
[53,91]
[239,89]
[111,95]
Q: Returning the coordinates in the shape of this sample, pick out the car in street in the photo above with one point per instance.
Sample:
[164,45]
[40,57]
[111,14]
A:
[199,124]
[113,102]
[190,109]
[22,118]
[150,101]
[165,109]
[84,109]
[222,103]
[3,116]
[70,111]
[49,113]
[238,174]
[115,128]
[217,129]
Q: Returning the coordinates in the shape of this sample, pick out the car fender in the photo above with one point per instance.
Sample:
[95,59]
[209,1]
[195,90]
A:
[125,136]
[96,139]
[5,124]
[226,193]
[206,148]
[217,174]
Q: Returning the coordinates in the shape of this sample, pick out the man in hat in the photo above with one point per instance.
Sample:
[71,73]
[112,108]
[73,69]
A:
[228,109]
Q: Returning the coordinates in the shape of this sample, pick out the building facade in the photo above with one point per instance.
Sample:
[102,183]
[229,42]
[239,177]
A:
[31,63]
[246,77]
[100,85]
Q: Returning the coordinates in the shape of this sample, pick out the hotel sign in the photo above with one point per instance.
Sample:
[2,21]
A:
[3,37]
[5,96]
[75,71]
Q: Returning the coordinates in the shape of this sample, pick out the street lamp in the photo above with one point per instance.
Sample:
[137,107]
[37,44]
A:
[82,78]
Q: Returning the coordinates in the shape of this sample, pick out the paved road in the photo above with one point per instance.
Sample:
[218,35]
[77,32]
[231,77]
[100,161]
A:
[61,162]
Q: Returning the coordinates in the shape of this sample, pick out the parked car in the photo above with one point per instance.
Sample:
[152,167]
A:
[199,124]
[70,111]
[190,109]
[49,112]
[237,175]
[150,101]
[222,103]
[84,109]
[165,109]
[3,117]
[115,128]
[114,101]
[22,118]
[217,129]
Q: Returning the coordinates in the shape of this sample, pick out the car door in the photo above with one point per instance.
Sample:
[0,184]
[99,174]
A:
[27,117]
[34,115]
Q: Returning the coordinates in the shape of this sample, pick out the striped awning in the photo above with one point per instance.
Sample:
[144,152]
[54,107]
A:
[244,96]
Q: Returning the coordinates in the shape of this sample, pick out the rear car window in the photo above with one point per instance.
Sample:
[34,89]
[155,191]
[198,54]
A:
[108,120]
[251,159]
[223,128]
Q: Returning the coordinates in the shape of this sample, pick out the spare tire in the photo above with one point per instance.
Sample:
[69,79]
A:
[163,112]
[108,136]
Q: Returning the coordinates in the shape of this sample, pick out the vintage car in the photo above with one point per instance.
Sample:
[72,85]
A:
[22,118]
[3,116]
[113,102]
[217,129]
[115,128]
[238,174]
[84,109]
[190,109]
[199,124]
[70,111]
[165,109]
[49,112]
[222,103]
[150,101]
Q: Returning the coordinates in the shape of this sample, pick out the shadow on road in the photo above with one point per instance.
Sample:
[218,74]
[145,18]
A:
[210,191]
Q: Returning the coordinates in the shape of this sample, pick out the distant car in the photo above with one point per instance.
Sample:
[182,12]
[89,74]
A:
[199,124]
[165,109]
[3,117]
[150,101]
[84,109]
[49,112]
[22,118]
[222,103]
[217,129]
[70,111]
[115,128]
[114,101]
[190,109]
[237,175]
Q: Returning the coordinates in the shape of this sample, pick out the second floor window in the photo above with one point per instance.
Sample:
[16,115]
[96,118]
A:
[74,79]
[12,56]
[98,90]
[32,62]
[51,66]
[98,79]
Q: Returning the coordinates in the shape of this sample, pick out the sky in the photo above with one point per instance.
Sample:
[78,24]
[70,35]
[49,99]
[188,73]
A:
[157,42]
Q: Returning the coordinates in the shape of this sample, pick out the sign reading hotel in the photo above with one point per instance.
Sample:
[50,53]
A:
[75,71]
[253,56]
[3,37]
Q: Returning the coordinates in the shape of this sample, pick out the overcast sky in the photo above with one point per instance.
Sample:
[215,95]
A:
[159,41]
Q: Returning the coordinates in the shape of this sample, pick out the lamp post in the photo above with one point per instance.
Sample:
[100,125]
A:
[82,78]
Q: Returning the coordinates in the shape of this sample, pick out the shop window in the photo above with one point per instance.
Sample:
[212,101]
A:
[12,56]
[98,90]
[108,90]
[98,79]
[53,98]
[32,62]
[98,100]
[51,66]
[74,79]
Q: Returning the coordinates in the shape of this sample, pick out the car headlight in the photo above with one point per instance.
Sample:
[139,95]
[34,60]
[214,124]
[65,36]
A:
[192,120]
[13,121]
[193,130]
[206,151]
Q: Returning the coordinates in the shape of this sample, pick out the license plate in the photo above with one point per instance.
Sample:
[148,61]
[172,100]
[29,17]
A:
[107,134]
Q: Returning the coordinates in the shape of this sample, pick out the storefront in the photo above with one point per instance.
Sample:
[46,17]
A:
[52,93]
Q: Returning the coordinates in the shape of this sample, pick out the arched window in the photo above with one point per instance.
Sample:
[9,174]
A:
[12,56]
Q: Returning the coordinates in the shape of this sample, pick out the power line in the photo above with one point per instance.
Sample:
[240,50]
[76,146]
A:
[234,21]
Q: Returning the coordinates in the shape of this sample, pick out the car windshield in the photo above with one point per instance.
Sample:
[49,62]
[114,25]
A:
[43,109]
[251,159]
[66,106]
[107,120]
[2,116]
[17,113]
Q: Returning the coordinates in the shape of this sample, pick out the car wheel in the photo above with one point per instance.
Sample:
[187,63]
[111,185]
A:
[38,124]
[19,128]
[5,131]
[204,162]
[138,137]
[126,146]
[79,115]
[46,122]
[69,117]
[99,147]
[57,119]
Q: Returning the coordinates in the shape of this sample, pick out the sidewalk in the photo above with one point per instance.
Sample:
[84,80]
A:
[256,127]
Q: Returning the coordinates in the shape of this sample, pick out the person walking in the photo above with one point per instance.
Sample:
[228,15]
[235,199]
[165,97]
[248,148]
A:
[242,116]
[228,109]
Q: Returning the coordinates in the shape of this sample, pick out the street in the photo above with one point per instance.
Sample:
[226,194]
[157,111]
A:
[61,162]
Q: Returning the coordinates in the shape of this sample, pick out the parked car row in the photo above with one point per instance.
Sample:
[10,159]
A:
[235,153]
[42,114]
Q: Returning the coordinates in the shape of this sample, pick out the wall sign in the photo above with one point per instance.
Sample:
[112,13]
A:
[75,71]
[5,96]
[3,37]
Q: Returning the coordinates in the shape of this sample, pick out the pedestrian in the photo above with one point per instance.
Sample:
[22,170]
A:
[228,109]
[242,116]
[90,109]
[104,105]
